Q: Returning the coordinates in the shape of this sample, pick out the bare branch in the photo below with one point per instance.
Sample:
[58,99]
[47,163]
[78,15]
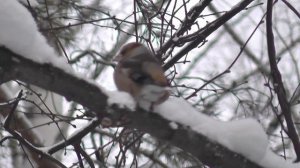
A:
[278,84]
[207,30]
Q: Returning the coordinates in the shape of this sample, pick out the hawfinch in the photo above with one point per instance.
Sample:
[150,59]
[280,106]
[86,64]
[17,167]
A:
[140,74]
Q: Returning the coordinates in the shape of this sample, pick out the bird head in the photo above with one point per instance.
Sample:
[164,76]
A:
[130,50]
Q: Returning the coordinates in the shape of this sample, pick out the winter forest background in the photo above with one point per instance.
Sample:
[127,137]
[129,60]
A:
[220,56]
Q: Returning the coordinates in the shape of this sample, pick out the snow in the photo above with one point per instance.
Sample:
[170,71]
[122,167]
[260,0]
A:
[175,39]
[19,33]
[121,99]
[245,137]
[151,93]
[173,125]
[271,160]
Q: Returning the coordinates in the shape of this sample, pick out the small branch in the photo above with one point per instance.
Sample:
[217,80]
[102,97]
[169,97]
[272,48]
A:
[77,151]
[86,157]
[13,109]
[135,21]
[189,20]
[23,141]
[230,66]
[206,31]
[292,8]
[74,138]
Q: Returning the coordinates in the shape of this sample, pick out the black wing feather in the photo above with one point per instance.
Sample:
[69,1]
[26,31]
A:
[141,78]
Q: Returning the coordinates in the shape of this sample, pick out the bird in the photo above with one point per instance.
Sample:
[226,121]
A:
[141,75]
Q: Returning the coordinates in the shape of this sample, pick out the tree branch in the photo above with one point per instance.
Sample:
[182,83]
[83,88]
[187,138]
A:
[23,141]
[278,84]
[206,31]
[73,88]
[189,20]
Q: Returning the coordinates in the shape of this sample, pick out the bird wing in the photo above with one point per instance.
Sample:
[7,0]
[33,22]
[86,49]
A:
[155,72]
[141,78]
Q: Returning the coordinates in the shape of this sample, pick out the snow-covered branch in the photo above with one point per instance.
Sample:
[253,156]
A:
[46,76]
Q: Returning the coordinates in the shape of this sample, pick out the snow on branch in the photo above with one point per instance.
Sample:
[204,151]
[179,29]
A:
[19,33]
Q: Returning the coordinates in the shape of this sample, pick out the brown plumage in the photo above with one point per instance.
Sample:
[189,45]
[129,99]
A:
[140,74]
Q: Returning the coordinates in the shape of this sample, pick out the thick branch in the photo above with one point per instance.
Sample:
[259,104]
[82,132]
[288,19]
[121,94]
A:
[13,66]
[278,84]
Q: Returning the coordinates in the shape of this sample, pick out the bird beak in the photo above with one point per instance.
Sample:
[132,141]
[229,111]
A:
[117,58]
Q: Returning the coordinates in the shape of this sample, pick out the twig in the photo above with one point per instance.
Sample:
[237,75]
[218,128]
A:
[292,8]
[230,66]
[190,18]
[10,115]
[282,140]
[135,21]
[54,35]
[77,151]
[93,124]
[87,157]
